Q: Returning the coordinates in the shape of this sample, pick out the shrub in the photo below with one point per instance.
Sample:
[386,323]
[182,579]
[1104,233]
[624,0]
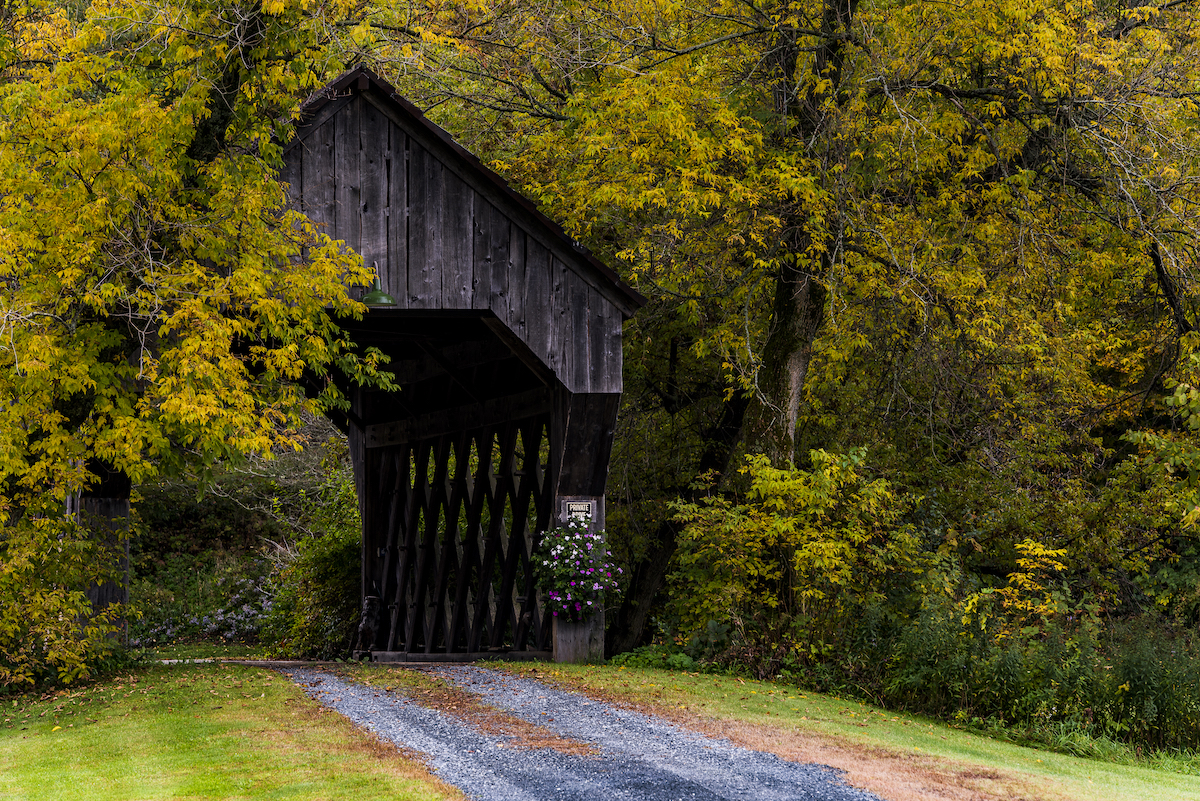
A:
[575,570]
[787,569]
[316,605]
[48,629]
[1061,679]
[218,594]
[813,576]
[664,657]
[267,551]
[316,582]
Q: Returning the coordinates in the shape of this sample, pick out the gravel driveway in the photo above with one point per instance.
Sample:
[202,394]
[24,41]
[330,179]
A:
[636,756]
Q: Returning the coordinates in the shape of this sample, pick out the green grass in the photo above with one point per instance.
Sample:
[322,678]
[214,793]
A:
[784,707]
[195,731]
[227,731]
[206,650]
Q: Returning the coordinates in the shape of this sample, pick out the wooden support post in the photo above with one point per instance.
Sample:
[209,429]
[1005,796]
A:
[104,509]
[108,518]
[580,642]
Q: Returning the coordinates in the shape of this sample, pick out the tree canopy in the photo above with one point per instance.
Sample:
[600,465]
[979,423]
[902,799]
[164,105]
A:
[160,303]
[960,237]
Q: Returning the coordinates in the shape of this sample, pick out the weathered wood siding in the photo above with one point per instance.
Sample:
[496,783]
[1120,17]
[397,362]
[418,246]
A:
[438,241]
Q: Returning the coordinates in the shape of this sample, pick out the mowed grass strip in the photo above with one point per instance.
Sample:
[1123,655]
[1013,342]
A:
[204,650]
[196,731]
[900,757]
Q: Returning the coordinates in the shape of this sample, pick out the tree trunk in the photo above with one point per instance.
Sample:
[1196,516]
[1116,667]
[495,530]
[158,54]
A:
[627,627]
[807,109]
[797,316]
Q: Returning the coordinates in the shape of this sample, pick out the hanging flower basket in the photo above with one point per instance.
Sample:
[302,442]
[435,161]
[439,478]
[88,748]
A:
[575,570]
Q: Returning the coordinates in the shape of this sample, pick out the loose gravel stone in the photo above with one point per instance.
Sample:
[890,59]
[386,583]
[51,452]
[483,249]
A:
[639,756]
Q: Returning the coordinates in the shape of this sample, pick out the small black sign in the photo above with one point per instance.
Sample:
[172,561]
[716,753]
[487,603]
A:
[579,508]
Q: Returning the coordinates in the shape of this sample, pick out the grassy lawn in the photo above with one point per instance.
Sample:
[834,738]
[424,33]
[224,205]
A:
[224,731]
[195,731]
[874,746]
[205,650]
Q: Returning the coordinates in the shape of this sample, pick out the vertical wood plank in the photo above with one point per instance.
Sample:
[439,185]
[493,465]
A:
[402,614]
[397,541]
[369,503]
[506,612]
[374,142]
[425,228]
[434,231]
[500,281]
[558,343]
[486,619]
[428,564]
[524,590]
[318,177]
[515,269]
[394,502]
[604,336]
[577,346]
[481,253]
[545,501]
[397,221]
[415,634]
[356,442]
[290,177]
[450,565]
[538,300]
[468,577]
[348,192]
[457,243]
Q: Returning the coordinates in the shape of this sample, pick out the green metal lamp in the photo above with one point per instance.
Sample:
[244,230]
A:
[377,297]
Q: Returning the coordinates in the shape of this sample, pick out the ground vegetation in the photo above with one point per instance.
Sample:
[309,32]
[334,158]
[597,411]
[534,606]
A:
[196,731]
[911,412]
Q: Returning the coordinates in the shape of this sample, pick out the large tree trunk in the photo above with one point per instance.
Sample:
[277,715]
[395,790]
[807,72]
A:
[627,627]
[807,109]
[797,316]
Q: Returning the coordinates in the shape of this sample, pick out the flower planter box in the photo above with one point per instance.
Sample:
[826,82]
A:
[579,642]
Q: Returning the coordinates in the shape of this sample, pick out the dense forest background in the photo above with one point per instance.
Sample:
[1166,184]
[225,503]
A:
[909,413]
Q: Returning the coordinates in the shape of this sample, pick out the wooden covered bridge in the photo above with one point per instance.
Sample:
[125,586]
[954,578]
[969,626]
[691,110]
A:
[505,340]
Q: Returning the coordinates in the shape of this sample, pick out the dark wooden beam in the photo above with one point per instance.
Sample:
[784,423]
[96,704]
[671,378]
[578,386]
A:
[582,441]
[463,356]
[521,350]
[459,418]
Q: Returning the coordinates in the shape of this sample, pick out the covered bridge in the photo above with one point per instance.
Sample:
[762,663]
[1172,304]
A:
[505,339]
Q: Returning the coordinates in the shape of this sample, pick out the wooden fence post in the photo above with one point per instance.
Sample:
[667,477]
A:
[583,642]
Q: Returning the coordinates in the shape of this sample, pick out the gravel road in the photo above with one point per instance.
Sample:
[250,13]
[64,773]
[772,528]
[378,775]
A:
[638,756]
